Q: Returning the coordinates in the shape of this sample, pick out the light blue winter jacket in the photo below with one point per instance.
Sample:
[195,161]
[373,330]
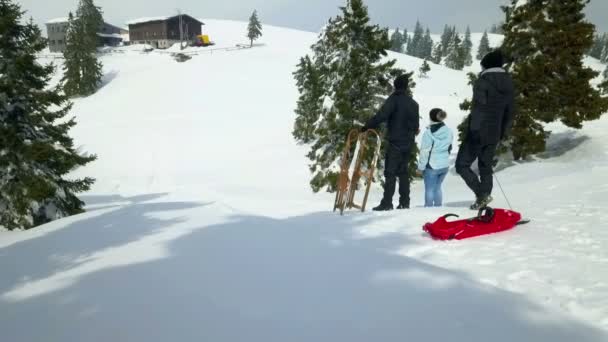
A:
[435,147]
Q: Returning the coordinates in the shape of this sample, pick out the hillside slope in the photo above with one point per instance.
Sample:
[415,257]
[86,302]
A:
[202,226]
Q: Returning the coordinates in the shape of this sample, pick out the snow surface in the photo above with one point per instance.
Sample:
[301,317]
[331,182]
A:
[202,226]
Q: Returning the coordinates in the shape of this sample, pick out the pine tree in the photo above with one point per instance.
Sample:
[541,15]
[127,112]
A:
[467,46]
[604,56]
[406,40]
[553,84]
[341,85]
[82,70]
[416,46]
[73,59]
[446,38]
[604,85]
[497,28]
[437,54]
[36,152]
[599,45]
[397,41]
[427,45]
[254,29]
[310,104]
[455,57]
[424,69]
[484,46]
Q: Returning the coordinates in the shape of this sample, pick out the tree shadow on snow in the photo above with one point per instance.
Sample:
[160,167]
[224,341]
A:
[102,229]
[95,200]
[561,143]
[107,78]
[309,278]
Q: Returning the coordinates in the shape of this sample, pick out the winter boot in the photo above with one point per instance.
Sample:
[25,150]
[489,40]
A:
[481,202]
[384,207]
[403,206]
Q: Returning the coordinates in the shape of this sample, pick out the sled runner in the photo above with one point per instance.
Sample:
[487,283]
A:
[352,168]
[488,221]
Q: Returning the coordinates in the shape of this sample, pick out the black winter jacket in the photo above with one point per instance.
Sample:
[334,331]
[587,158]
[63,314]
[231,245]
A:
[493,106]
[401,113]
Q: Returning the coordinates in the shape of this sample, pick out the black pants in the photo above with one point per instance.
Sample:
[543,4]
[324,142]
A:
[470,150]
[396,166]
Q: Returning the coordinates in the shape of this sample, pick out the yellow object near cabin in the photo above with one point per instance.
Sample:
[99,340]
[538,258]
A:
[204,38]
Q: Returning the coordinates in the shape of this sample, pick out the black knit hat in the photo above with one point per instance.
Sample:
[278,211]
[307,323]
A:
[401,82]
[494,59]
[437,115]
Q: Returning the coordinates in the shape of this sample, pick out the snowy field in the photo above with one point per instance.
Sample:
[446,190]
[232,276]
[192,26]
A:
[202,226]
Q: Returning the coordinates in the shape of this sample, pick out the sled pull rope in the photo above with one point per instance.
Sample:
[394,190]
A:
[503,192]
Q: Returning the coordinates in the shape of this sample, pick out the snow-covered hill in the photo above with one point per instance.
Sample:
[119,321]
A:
[202,226]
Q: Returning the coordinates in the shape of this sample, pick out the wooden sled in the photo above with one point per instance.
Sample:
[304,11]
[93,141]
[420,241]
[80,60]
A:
[351,172]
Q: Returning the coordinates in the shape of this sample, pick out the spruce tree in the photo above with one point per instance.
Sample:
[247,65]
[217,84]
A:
[497,28]
[604,56]
[310,104]
[82,70]
[341,86]
[552,84]
[406,40]
[484,46]
[397,41]
[455,57]
[73,58]
[427,45]
[446,38]
[254,29]
[36,151]
[467,46]
[599,44]
[416,45]
[424,69]
[437,54]
[604,85]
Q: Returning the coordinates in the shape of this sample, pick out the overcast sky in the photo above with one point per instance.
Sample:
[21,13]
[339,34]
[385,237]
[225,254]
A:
[307,15]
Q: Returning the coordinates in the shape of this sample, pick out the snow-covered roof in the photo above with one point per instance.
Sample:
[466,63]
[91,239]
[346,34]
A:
[113,35]
[146,20]
[58,21]
[150,19]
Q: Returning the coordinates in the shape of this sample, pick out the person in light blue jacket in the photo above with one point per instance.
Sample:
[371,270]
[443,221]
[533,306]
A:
[434,160]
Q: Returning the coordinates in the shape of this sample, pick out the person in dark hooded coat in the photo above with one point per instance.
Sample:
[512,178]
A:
[401,114]
[490,122]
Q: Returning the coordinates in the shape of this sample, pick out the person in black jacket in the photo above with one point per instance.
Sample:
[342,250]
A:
[490,122]
[401,113]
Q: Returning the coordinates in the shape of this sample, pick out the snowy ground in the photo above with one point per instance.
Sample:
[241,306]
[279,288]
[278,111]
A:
[202,227]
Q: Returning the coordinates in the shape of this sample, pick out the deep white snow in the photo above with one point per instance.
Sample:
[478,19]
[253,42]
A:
[202,226]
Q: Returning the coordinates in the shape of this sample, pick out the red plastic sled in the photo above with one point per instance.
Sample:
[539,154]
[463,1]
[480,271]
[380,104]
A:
[488,221]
